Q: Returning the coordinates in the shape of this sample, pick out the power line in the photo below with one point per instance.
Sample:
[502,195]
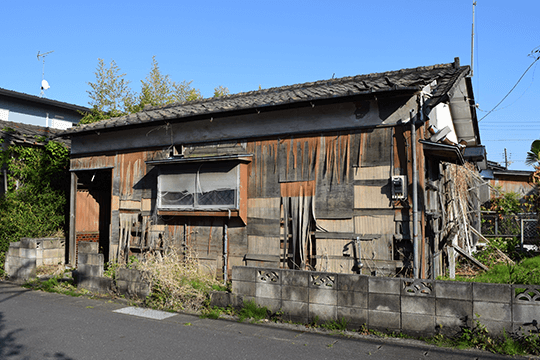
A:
[536,50]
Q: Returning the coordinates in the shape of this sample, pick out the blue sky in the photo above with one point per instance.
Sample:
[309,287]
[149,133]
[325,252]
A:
[244,44]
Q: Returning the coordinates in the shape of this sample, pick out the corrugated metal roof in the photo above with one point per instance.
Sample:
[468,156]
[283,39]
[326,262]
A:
[445,75]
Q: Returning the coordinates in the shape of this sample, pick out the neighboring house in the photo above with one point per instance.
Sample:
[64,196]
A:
[28,109]
[500,178]
[12,133]
[309,176]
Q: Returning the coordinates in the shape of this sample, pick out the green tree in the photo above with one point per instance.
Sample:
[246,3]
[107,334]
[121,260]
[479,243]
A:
[533,156]
[111,96]
[158,89]
[110,91]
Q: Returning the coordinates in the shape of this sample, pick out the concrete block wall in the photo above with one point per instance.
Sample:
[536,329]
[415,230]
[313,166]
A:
[90,268]
[23,257]
[413,306]
[132,283]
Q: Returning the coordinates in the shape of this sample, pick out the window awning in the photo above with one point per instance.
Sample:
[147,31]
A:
[181,160]
[449,153]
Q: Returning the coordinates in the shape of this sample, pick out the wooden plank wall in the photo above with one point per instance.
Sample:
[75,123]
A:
[352,195]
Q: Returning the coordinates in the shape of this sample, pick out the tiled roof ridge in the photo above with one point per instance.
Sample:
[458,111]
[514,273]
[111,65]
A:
[403,79]
[342,80]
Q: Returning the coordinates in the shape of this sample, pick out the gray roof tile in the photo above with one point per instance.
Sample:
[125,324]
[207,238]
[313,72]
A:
[404,79]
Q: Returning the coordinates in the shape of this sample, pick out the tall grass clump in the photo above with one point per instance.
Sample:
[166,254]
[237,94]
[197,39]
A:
[176,280]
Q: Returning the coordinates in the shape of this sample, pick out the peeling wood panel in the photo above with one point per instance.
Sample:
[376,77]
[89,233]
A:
[376,224]
[377,147]
[329,256]
[400,151]
[298,159]
[372,197]
[263,169]
[378,249]
[333,225]
[238,239]
[130,168]
[264,208]
[87,207]
[91,162]
[130,205]
[334,192]
[372,173]
[263,245]
[263,227]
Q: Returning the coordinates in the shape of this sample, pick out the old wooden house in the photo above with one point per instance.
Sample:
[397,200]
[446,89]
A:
[312,176]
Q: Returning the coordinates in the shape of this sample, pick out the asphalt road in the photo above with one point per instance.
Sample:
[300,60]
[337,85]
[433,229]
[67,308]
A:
[39,325]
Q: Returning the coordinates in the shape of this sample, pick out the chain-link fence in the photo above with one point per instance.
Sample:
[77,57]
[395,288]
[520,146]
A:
[523,226]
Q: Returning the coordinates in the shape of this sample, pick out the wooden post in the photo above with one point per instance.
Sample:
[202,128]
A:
[71,243]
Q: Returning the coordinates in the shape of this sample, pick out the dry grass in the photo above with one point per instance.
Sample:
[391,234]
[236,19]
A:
[176,280]
[50,270]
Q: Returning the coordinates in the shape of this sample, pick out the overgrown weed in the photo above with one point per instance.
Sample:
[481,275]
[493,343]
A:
[252,311]
[176,280]
[478,337]
[56,284]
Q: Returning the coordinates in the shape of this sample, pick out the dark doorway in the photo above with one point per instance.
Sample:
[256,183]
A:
[93,214]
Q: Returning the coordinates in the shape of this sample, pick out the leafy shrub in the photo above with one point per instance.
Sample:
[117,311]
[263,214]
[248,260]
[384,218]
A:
[34,205]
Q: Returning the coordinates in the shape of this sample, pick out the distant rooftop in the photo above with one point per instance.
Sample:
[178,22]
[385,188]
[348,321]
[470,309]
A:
[43,101]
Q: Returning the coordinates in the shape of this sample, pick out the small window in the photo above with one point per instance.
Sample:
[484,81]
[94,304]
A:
[211,186]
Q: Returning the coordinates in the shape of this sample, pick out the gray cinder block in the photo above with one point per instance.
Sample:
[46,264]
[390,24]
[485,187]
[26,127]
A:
[384,285]
[384,320]
[384,302]
[322,280]
[243,288]
[418,305]
[353,299]
[268,290]
[453,290]
[323,312]
[295,293]
[323,296]
[295,278]
[420,325]
[244,273]
[295,310]
[500,293]
[352,282]
[88,247]
[355,317]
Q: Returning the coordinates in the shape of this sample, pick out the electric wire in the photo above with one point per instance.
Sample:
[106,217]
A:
[516,84]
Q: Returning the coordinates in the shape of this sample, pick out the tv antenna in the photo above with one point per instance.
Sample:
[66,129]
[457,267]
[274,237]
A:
[44,83]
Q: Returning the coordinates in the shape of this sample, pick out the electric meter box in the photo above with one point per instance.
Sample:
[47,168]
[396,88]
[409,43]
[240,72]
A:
[399,187]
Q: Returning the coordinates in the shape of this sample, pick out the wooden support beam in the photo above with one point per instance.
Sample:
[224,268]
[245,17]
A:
[503,255]
[470,258]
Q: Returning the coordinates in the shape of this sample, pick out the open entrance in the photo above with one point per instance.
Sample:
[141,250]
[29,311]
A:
[93,208]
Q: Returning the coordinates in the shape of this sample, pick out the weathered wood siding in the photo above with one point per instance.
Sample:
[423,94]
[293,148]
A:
[309,195]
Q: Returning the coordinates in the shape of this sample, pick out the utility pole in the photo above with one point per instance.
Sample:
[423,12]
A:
[472,38]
